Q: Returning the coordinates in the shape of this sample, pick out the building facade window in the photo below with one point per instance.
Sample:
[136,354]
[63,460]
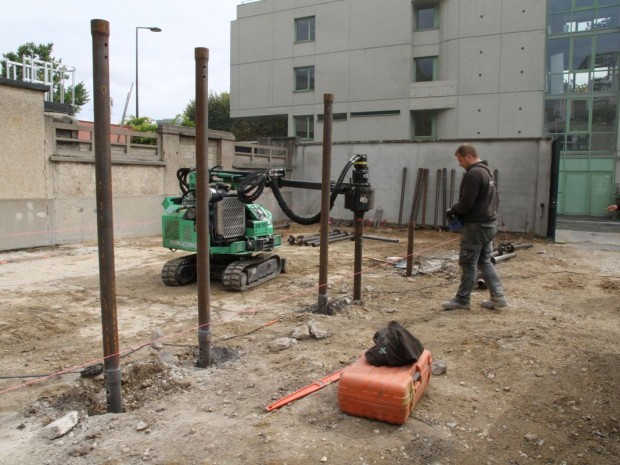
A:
[583,63]
[582,100]
[425,17]
[375,113]
[423,124]
[304,29]
[304,127]
[425,69]
[563,20]
[304,78]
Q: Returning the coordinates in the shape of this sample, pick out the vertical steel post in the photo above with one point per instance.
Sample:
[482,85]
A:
[437,190]
[452,177]
[100,31]
[424,194]
[360,200]
[402,197]
[444,194]
[328,100]
[412,222]
[203,193]
[358,218]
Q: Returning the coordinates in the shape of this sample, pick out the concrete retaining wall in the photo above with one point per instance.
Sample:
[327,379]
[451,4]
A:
[46,199]
[523,178]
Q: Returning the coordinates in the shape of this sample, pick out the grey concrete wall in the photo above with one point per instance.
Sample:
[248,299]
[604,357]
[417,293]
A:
[44,201]
[523,167]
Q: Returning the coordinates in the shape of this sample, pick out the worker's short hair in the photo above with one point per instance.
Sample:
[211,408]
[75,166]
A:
[464,149]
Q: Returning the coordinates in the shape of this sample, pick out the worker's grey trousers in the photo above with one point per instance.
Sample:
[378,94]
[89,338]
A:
[476,248]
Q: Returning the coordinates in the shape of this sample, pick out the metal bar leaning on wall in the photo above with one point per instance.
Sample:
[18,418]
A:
[437,190]
[402,197]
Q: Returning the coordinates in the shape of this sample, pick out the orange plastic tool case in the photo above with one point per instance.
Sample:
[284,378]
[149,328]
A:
[383,393]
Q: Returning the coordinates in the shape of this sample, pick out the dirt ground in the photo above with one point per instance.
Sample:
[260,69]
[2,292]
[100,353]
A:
[534,383]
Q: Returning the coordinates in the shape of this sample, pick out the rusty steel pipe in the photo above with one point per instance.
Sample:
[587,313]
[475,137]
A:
[203,196]
[317,240]
[452,178]
[444,192]
[303,239]
[340,238]
[330,239]
[380,238]
[424,194]
[410,248]
[317,237]
[418,195]
[522,246]
[402,197]
[100,31]
[412,213]
[346,237]
[501,258]
[412,222]
[437,190]
[358,218]
[328,100]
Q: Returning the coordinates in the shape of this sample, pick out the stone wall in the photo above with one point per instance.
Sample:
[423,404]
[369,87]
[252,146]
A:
[47,198]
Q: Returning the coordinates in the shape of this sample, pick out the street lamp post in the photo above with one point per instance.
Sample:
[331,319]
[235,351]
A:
[152,29]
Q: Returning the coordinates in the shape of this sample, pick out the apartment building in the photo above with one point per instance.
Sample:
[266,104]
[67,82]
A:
[441,69]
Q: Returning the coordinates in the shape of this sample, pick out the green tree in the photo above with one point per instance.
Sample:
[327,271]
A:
[243,129]
[255,128]
[142,124]
[219,112]
[43,52]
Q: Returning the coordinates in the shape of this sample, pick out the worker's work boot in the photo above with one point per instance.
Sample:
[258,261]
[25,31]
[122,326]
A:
[494,303]
[455,305]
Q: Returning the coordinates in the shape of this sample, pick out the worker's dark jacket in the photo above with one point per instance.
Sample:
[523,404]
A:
[478,198]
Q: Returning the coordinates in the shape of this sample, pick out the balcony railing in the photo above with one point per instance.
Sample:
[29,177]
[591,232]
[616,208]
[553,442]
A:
[47,73]
[76,143]
[250,156]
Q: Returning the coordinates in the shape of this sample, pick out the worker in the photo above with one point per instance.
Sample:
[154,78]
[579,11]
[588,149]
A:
[476,209]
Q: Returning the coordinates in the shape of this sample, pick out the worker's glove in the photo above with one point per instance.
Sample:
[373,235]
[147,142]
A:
[454,222]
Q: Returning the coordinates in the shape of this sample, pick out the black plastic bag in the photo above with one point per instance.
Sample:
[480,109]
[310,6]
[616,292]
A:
[394,346]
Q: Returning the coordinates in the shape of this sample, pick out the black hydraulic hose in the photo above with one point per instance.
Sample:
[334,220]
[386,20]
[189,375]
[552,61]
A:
[288,212]
[182,177]
[332,199]
[251,187]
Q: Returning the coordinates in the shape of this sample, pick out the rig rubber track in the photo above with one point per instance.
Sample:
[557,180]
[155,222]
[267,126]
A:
[179,271]
[237,276]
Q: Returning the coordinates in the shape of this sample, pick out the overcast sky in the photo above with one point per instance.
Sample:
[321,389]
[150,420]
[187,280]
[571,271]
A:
[166,59]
